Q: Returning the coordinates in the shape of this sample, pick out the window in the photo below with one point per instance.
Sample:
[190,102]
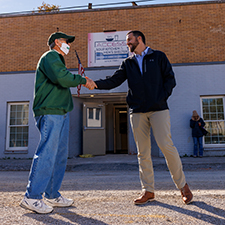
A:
[90,113]
[213,115]
[17,126]
[94,117]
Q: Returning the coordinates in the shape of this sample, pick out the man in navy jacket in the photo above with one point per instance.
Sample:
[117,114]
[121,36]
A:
[151,81]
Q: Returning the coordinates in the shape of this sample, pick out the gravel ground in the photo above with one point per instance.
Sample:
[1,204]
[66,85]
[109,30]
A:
[105,197]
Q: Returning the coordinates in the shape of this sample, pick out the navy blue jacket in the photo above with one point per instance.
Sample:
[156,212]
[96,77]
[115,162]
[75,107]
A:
[148,91]
[196,131]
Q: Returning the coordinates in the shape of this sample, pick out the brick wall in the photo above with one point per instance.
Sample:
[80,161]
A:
[187,32]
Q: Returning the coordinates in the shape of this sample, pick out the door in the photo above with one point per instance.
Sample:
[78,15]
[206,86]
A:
[94,128]
[120,130]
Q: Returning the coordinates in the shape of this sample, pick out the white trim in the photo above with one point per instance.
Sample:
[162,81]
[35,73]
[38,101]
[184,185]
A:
[8,148]
[214,97]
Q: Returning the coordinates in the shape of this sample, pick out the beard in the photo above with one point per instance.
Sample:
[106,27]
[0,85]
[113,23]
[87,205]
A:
[134,45]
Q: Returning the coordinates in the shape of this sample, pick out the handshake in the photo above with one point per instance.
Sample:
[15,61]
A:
[90,84]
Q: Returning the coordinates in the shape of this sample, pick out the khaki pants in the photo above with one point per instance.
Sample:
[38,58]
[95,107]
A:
[160,123]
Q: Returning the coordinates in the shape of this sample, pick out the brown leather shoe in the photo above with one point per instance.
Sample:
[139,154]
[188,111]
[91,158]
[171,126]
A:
[144,198]
[186,194]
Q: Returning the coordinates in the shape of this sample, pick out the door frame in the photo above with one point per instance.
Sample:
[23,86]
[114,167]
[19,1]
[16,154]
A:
[114,124]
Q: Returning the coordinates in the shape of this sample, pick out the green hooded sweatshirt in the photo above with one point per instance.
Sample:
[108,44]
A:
[52,86]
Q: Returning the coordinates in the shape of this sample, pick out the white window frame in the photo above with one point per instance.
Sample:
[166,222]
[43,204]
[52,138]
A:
[15,149]
[94,122]
[214,97]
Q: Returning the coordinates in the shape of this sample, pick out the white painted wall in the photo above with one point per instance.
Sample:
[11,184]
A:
[17,87]
[193,81]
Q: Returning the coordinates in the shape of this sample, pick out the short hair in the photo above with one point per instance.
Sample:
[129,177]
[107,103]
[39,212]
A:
[137,33]
[52,45]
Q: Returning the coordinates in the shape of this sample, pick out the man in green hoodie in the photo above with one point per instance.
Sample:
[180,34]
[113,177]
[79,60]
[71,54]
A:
[52,102]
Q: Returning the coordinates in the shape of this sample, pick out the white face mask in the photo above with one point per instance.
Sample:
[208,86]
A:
[65,48]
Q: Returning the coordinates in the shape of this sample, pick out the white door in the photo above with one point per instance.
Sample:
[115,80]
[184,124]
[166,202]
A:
[94,128]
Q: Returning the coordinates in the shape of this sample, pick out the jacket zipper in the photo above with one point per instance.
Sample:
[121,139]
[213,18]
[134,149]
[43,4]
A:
[145,70]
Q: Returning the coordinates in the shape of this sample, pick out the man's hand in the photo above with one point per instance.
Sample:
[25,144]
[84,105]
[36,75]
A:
[90,84]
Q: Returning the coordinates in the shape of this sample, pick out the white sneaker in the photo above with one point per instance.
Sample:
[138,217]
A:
[36,205]
[59,202]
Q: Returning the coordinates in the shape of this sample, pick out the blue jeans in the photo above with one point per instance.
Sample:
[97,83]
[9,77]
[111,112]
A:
[50,159]
[198,141]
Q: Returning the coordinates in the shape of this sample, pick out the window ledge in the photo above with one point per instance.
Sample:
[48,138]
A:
[15,151]
[214,148]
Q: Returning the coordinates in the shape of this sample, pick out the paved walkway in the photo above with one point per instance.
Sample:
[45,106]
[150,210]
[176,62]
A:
[111,160]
